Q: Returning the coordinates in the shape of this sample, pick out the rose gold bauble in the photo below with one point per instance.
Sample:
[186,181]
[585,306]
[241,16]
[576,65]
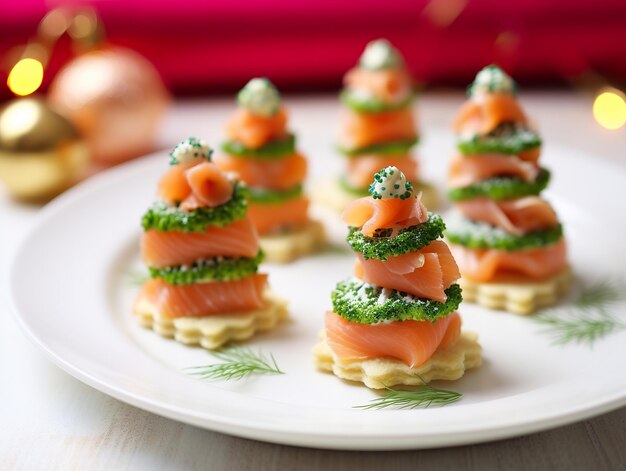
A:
[116,98]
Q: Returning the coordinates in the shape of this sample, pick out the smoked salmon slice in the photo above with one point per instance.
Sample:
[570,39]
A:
[164,249]
[388,85]
[465,171]
[209,184]
[517,216]
[275,174]
[498,265]
[425,273]
[360,170]
[412,342]
[364,129]
[274,217]
[205,299]
[173,186]
[371,214]
[254,131]
[485,112]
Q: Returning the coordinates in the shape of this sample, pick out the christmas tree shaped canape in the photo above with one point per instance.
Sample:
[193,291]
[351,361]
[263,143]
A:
[262,151]
[203,254]
[396,321]
[377,126]
[507,241]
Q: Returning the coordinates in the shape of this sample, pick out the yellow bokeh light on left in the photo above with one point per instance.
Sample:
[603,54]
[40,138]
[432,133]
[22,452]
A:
[609,109]
[25,77]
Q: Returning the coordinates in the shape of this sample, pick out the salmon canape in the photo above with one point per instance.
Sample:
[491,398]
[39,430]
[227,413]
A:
[377,127]
[203,254]
[506,239]
[262,151]
[396,320]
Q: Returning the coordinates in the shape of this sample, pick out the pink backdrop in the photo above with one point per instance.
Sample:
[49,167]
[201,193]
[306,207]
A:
[217,45]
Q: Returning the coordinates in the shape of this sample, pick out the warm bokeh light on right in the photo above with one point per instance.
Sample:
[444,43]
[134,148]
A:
[609,109]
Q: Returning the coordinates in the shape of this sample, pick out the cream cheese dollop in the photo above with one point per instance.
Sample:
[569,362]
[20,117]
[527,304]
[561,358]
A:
[492,79]
[389,183]
[379,55]
[260,97]
[190,149]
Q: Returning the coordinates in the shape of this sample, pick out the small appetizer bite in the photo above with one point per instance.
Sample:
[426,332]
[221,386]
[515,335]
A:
[377,126]
[396,321]
[203,254]
[263,152]
[506,239]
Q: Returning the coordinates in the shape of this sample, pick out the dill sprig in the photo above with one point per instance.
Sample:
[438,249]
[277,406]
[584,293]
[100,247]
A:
[421,397]
[137,277]
[588,318]
[237,363]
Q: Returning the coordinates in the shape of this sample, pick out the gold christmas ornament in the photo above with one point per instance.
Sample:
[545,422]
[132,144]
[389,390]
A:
[115,98]
[41,153]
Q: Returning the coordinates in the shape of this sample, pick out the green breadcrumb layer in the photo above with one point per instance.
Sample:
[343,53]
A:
[357,301]
[408,240]
[162,217]
[371,105]
[392,147]
[261,195]
[508,138]
[272,150]
[214,269]
[501,188]
[478,235]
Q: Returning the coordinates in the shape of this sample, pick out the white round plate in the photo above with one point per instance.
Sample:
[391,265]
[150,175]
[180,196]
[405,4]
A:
[71,292]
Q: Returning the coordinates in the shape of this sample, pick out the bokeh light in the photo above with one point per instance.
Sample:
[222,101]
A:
[25,77]
[609,109]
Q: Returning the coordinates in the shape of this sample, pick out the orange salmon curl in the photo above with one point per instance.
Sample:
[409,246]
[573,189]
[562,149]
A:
[370,214]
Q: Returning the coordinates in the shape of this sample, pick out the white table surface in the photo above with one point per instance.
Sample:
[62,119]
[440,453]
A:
[49,420]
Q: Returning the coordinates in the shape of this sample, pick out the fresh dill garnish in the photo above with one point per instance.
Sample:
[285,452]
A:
[421,397]
[137,277]
[237,363]
[588,318]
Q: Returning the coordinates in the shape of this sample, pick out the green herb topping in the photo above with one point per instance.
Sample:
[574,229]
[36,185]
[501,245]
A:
[275,149]
[380,55]
[492,79]
[389,183]
[190,149]
[507,138]
[262,195]
[410,239]
[168,218]
[214,269]
[362,104]
[260,97]
[383,148]
[478,235]
[357,301]
[501,188]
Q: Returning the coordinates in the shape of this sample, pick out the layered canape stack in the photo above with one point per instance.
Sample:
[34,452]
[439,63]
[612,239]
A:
[263,152]
[396,321]
[203,254]
[377,126]
[506,239]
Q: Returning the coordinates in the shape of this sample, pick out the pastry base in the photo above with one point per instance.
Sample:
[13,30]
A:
[211,332]
[286,247]
[378,373]
[517,297]
[332,195]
